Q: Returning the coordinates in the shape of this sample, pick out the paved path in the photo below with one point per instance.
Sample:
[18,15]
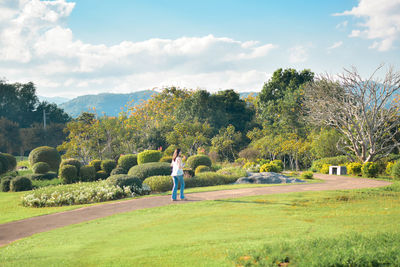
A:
[13,231]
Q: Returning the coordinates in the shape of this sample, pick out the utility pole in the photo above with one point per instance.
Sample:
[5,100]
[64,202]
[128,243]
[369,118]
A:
[44,126]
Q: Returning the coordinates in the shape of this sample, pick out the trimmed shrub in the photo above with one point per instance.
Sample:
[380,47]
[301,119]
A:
[122,180]
[270,167]
[332,161]
[101,175]
[108,165]
[369,169]
[87,173]
[161,183]
[11,161]
[389,168]
[197,160]
[3,164]
[46,154]
[325,168]
[5,183]
[96,163]
[234,172]
[170,150]
[40,168]
[149,156]
[396,170]
[127,161]
[354,168]
[201,168]
[187,172]
[68,174]
[307,175]
[20,183]
[44,176]
[145,170]
[73,162]
[208,179]
[118,170]
[167,159]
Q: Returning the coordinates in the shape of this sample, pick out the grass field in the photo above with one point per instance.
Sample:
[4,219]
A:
[242,231]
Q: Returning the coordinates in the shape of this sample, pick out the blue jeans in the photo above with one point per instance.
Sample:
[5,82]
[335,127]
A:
[177,179]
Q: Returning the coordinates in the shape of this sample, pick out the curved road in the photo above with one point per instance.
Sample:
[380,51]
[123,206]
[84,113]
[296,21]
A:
[13,231]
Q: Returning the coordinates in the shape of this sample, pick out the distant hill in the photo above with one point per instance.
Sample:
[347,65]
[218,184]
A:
[57,100]
[107,103]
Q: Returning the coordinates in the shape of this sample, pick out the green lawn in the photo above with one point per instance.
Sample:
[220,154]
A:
[226,232]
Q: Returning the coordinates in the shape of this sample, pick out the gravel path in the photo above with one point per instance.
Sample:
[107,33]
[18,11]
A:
[13,231]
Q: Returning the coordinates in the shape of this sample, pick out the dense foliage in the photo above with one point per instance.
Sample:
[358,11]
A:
[145,170]
[45,154]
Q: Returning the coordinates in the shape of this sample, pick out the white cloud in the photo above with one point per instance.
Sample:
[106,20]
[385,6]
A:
[36,46]
[381,22]
[342,25]
[335,45]
[298,54]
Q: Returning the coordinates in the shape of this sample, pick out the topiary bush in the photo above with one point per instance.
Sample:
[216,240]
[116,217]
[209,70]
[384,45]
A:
[307,175]
[332,161]
[197,160]
[127,161]
[122,180]
[270,167]
[167,159]
[68,174]
[149,156]
[5,183]
[159,183]
[369,169]
[145,170]
[3,164]
[87,173]
[101,175]
[354,168]
[170,150]
[201,168]
[396,170]
[108,165]
[119,170]
[96,163]
[46,154]
[11,161]
[20,183]
[40,168]
[44,176]
[73,162]
[325,168]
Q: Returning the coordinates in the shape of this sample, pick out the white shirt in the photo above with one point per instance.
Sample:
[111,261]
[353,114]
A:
[177,167]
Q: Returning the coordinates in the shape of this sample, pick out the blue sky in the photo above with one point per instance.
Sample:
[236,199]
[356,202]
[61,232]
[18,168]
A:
[71,48]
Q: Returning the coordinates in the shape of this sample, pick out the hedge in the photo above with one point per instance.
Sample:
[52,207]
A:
[46,154]
[145,170]
[68,174]
[96,163]
[87,173]
[5,184]
[127,161]
[20,183]
[170,150]
[101,175]
[149,156]
[73,162]
[44,176]
[197,160]
[40,168]
[11,161]
[167,159]
[122,180]
[118,170]
[108,165]
[202,168]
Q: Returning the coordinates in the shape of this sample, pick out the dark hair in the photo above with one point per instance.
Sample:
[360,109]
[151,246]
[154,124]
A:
[176,153]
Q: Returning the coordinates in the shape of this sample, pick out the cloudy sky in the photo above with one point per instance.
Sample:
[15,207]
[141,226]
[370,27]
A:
[70,48]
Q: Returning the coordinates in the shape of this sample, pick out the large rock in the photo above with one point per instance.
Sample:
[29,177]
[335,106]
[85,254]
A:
[267,178]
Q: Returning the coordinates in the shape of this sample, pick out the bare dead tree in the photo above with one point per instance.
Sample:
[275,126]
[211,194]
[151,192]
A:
[366,112]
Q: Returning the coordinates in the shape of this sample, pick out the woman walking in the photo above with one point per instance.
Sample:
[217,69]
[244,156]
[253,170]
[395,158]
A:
[177,174]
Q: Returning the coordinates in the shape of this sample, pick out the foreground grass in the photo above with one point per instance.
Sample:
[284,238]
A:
[226,232]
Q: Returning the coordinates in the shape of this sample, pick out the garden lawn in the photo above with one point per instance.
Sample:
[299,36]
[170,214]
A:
[221,233]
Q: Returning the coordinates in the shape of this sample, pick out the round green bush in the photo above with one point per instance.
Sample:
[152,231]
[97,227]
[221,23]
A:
[122,180]
[269,167]
[96,163]
[197,160]
[127,161]
[73,162]
[145,170]
[101,175]
[307,175]
[167,159]
[46,154]
[369,169]
[201,168]
[5,183]
[11,161]
[87,173]
[68,174]
[3,164]
[149,156]
[20,183]
[108,165]
[207,179]
[119,170]
[170,150]
[44,176]
[354,168]
[396,170]
[40,168]
[160,183]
